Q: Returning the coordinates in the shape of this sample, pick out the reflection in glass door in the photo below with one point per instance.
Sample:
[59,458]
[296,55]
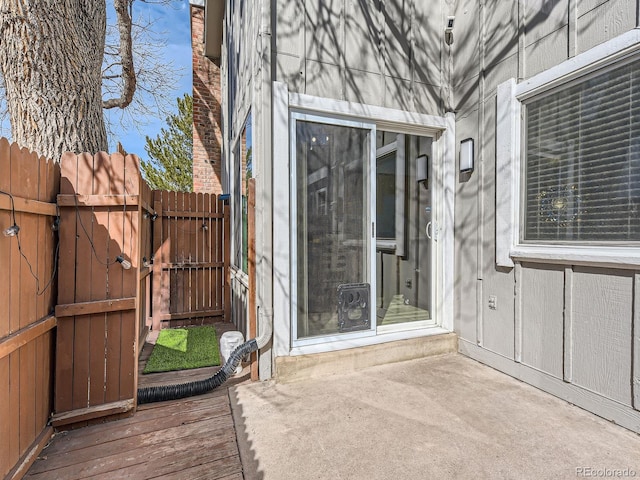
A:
[404,231]
[332,235]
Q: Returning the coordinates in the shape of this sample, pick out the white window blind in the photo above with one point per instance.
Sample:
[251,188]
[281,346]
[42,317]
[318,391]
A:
[582,161]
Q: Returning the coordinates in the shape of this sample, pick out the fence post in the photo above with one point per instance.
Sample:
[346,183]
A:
[158,260]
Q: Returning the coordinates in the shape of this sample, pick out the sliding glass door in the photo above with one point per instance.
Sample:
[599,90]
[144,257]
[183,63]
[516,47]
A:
[333,235]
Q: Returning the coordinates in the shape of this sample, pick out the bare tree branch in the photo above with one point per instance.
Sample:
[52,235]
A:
[123,12]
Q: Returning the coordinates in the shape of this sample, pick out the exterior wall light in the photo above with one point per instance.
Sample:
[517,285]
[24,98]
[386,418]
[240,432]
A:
[422,170]
[466,155]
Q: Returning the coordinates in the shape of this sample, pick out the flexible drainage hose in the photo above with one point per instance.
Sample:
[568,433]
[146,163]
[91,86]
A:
[182,390]
[198,387]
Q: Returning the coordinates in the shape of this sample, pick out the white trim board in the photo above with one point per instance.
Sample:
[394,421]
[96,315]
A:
[387,119]
[507,171]
[281,221]
[611,410]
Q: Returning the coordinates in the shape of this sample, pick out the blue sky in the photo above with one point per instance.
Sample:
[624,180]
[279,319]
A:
[173,21]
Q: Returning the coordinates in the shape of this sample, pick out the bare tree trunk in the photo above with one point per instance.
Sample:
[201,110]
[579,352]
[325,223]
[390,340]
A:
[51,60]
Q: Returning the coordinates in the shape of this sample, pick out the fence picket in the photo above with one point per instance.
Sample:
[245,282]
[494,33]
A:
[130,245]
[98,367]
[6,462]
[67,285]
[15,315]
[5,252]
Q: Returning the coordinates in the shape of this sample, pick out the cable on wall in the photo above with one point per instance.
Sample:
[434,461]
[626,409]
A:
[14,231]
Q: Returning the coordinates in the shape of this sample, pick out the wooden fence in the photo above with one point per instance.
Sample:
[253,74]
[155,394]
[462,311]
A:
[105,222]
[28,186]
[191,243]
[71,329]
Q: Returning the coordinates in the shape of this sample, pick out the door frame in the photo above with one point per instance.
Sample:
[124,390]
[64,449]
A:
[441,129]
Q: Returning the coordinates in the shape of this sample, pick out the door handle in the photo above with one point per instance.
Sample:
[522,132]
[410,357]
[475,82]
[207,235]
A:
[427,230]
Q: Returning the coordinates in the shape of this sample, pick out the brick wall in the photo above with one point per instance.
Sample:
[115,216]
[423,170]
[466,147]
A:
[207,104]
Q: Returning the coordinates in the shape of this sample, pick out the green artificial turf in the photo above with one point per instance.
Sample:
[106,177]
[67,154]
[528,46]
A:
[184,348]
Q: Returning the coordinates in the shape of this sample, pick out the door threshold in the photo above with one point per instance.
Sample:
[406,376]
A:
[406,326]
[304,366]
[358,342]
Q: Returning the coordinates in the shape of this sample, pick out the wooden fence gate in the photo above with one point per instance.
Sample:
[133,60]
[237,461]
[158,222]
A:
[105,237]
[191,244]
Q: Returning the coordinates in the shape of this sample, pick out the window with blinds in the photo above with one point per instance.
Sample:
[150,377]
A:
[582,167]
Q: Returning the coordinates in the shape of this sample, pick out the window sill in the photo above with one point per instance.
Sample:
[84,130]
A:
[599,256]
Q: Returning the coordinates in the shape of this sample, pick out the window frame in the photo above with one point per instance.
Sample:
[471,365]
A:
[510,154]
[397,243]
[239,254]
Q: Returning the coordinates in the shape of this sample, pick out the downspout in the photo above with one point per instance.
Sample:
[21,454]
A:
[264,242]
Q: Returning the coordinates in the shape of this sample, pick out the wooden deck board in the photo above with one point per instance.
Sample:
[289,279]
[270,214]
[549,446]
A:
[189,438]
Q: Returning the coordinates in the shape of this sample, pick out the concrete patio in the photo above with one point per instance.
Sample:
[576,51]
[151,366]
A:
[443,417]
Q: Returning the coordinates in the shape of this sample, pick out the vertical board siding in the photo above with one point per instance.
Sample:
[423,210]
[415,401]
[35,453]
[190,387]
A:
[599,21]
[568,324]
[542,306]
[240,301]
[379,53]
[27,288]
[189,251]
[602,331]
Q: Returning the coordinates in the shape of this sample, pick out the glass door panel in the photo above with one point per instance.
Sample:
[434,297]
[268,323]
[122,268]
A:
[403,245]
[332,237]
